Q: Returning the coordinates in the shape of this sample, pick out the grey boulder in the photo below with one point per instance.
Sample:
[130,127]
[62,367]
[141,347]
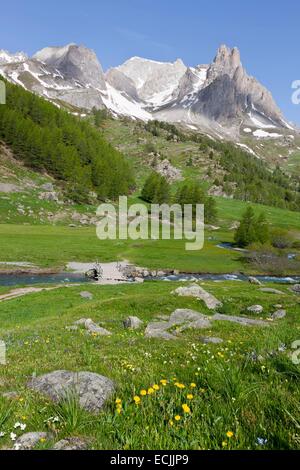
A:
[270,290]
[278,314]
[29,440]
[211,340]
[92,389]
[93,328]
[254,280]
[240,320]
[159,330]
[133,323]
[71,443]
[198,292]
[296,288]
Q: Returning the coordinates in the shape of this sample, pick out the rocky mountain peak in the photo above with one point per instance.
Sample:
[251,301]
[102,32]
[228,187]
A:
[7,58]
[74,62]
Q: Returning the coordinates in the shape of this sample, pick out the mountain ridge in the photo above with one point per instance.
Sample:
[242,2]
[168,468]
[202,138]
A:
[220,98]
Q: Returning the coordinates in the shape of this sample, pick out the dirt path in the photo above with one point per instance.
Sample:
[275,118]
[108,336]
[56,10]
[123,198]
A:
[13,294]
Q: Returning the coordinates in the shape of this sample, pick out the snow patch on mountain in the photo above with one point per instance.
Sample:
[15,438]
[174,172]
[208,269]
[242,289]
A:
[121,105]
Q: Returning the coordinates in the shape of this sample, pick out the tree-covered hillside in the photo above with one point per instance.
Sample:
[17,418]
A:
[49,139]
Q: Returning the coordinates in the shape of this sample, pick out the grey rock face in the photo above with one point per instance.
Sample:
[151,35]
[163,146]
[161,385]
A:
[230,92]
[196,291]
[278,314]
[151,77]
[255,309]
[71,443]
[170,172]
[47,187]
[133,323]
[92,389]
[121,82]
[74,62]
[49,196]
[29,440]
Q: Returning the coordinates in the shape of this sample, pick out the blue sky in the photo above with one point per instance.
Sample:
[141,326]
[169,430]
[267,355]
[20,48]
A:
[265,31]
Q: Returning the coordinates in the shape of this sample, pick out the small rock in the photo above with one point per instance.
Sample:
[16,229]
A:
[296,288]
[29,440]
[47,187]
[71,443]
[133,323]
[270,290]
[255,309]
[278,314]
[72,328]
[211,339]
[96,329]
[92,389]
[81,321]
[11,395]
[138,279]
[253,280]
[86,295]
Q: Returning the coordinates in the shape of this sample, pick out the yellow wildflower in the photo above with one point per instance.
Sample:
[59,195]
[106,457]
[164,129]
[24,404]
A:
[155,387]
[171,422]
[186,408]
[164,382]
[177,418]
[190,396]
[143,393]
[118,401]
[150,391]
[137,400]
[193,385]
[224,444]
[179,385]
[229,434]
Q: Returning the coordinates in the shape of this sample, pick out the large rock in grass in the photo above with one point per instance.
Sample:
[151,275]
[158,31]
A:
[240,320]
[92,390]
[189,318]
[133,323]
[71,443]
[278,314]
[270,290]
[95,329]
[199,293]
[159,330]
[30,440]
[254,280]
[296,288]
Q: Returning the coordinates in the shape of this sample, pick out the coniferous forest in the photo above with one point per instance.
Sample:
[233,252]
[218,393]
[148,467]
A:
[49,139]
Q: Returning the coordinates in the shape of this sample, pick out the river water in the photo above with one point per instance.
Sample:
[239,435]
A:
[70,278]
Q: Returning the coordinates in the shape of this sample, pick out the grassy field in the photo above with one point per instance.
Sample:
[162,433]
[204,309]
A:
[234,400]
